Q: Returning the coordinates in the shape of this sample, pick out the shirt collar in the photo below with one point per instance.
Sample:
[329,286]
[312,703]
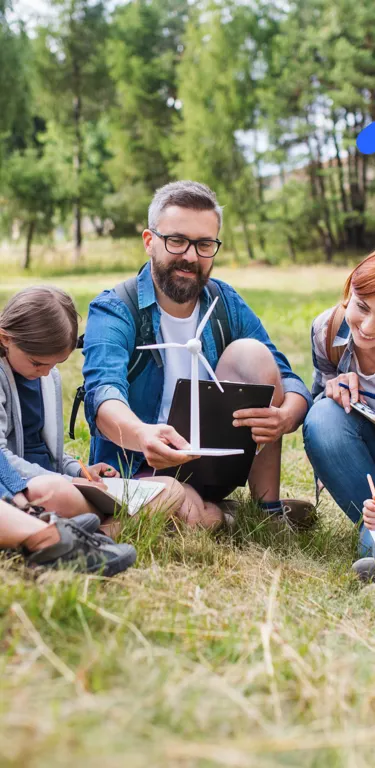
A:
[343,335]
[146,290]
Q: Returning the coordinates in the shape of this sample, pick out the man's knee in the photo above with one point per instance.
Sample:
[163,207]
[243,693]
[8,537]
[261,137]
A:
[249,361]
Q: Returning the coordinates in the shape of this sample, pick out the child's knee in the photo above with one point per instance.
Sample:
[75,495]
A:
[54,493]
[195,511]
[42,489]
[173,496]
[212,516]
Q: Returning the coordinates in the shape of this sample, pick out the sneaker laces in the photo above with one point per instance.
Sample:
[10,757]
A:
[80,532]
[286,509]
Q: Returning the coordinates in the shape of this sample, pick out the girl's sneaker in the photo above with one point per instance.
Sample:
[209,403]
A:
[365,569]
[82,551]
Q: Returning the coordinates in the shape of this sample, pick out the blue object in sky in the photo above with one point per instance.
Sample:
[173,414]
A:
[366,140]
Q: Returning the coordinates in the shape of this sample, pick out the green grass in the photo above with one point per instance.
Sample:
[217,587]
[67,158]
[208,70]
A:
[255,649]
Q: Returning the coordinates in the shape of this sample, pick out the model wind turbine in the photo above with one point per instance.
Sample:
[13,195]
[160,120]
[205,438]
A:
[195,348]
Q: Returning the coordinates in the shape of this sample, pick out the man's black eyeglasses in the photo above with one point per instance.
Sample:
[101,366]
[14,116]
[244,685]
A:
[178,245]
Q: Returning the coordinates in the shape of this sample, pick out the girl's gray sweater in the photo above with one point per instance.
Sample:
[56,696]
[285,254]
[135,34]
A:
[11,431]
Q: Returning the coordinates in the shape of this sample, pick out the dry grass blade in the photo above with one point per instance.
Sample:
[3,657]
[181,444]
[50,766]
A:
[236,754]
[266,633]
[42,647]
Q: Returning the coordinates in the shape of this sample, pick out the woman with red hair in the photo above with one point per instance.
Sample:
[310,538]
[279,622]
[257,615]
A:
[339,441]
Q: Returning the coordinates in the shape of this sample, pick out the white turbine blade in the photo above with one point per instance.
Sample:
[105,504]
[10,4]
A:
[194,405]
[206,318]
[210,371]
[168,345]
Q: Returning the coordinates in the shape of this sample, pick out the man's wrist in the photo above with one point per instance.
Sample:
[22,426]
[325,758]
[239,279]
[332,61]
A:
[138,431]
[288,419]
[293,409]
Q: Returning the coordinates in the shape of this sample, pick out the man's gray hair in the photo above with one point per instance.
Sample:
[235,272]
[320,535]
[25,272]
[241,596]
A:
[186,194]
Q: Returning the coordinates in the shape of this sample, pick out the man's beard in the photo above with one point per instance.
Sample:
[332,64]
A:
[177,288]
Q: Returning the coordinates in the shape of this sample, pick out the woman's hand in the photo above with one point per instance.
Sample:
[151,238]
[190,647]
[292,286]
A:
[369,514]
[343,396]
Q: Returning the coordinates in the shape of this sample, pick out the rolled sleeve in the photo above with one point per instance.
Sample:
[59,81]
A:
[96,399]
[294,384]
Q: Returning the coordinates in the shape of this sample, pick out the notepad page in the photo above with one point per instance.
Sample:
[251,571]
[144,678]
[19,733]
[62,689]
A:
[134,493]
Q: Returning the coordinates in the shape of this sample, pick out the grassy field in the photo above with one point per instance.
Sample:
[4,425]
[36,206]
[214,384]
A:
[251,650]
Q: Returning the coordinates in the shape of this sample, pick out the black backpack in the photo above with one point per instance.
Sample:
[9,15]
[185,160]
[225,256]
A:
[144,334]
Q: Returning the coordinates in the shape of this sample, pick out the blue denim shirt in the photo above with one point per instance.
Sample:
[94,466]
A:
[108,347]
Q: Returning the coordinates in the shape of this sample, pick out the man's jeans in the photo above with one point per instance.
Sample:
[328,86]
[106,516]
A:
[341,448]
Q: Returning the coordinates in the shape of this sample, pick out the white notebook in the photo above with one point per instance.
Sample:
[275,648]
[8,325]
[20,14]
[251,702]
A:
[134,493]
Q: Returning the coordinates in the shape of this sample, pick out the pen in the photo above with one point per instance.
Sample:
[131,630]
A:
[360,391]
[84,470]
[372,487]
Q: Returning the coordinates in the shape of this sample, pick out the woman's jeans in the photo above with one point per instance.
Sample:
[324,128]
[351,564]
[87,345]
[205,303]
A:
[341,448]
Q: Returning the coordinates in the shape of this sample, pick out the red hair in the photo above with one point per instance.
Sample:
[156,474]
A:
[361,280]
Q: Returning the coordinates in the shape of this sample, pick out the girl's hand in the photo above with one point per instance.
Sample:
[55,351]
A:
[343,396]
[369,514]
[97,471]
[82,481]
[20,500]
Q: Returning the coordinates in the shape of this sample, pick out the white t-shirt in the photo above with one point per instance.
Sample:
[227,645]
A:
[177,362]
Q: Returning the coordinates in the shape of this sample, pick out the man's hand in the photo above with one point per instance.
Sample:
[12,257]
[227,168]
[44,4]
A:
[97,471]
[369,514]
[154,441]
[267,424]
[343,396]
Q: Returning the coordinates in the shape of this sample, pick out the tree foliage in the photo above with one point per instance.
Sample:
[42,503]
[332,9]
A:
[262,101]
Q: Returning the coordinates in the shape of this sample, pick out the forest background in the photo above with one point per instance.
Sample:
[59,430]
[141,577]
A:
[103,102]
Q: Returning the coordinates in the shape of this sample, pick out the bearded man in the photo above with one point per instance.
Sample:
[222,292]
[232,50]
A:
[128,415]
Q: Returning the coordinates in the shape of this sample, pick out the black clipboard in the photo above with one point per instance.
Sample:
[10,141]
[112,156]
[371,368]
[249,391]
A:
[217,431]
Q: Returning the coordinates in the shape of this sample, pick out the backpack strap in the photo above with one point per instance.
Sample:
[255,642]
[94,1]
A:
[144,334]
[334,354]
[219,320]
[144,331]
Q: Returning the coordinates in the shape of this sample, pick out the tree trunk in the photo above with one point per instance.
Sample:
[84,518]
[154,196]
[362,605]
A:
[290,241]
[27,255]
[323,195]
[246,236]
[230,238]
[324,235]
[332,190]
[77,115]
[344,200]
[364,179]
[262,214]
[98,225]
